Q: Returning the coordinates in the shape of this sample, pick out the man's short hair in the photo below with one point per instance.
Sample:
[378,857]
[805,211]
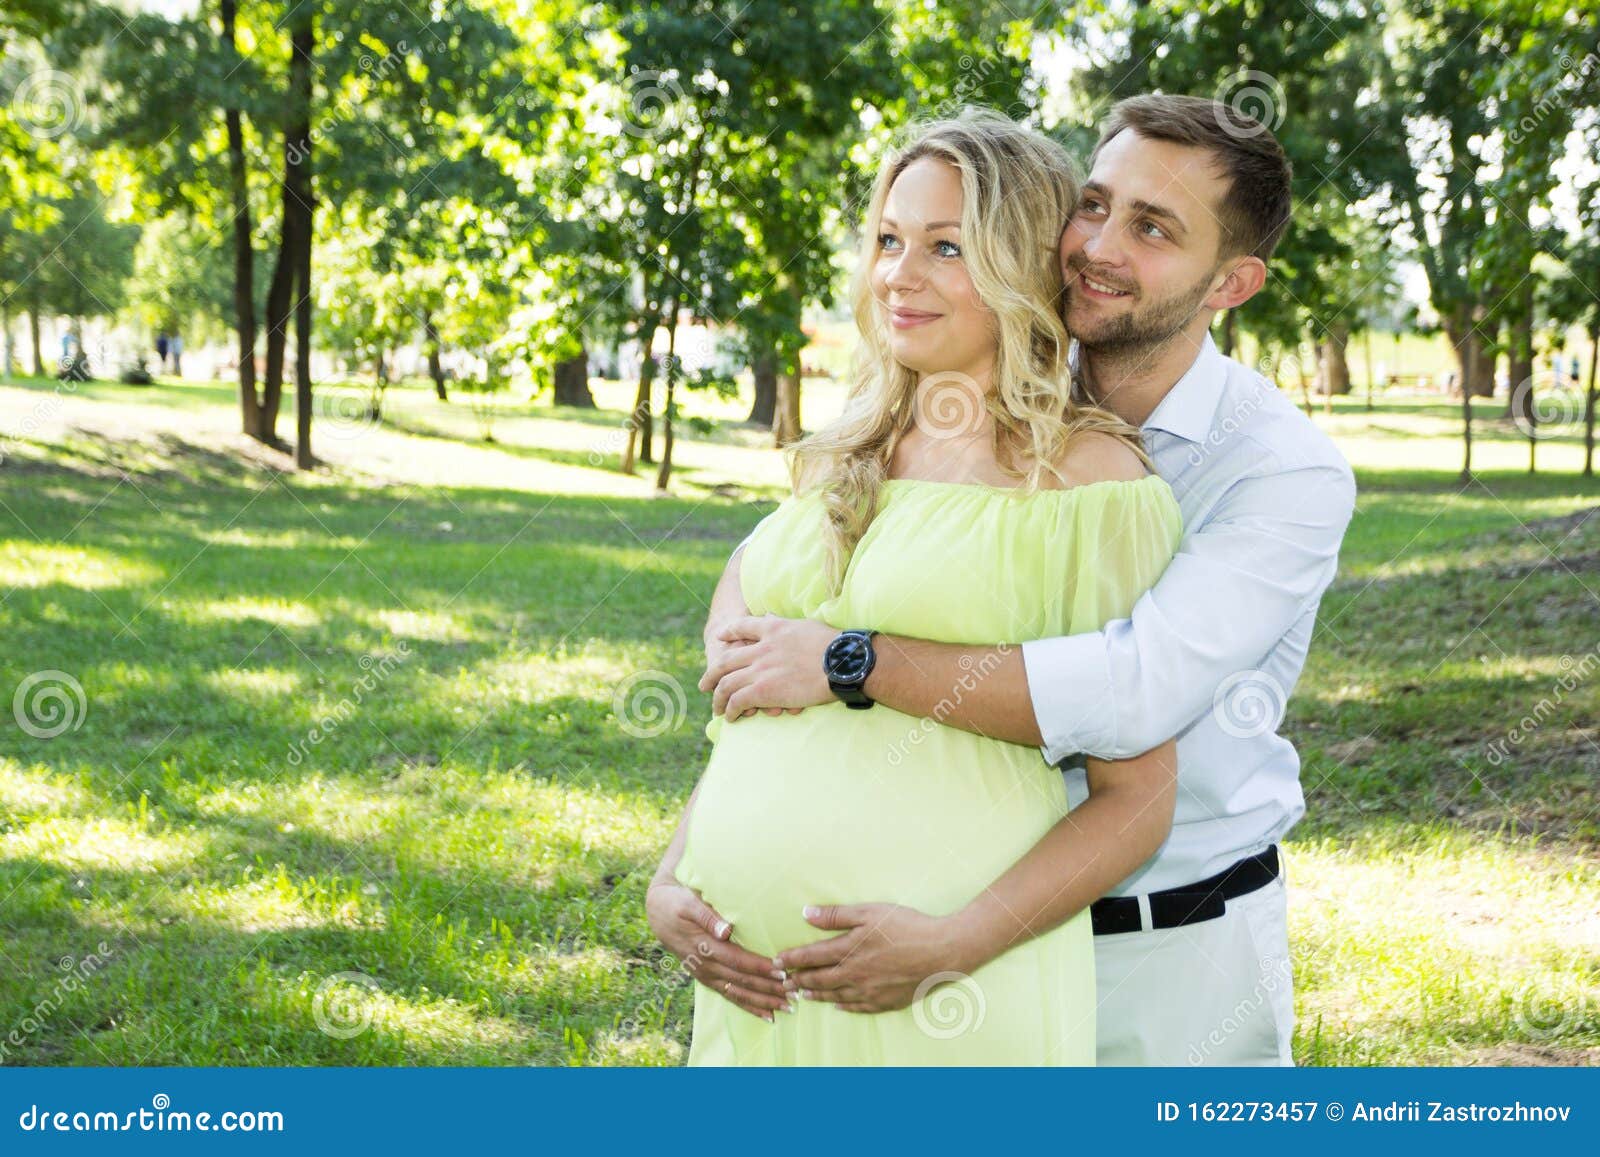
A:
[1255,208]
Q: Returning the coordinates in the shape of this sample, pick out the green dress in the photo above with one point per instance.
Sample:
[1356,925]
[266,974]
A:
[839,806]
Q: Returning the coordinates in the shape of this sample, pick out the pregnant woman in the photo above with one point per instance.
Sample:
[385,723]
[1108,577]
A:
[965,496]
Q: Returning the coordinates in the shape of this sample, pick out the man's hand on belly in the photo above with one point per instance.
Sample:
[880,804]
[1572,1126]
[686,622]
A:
[886,953]
[770,664]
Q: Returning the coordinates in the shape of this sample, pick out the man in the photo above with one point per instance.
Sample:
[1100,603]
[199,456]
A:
[1182,209]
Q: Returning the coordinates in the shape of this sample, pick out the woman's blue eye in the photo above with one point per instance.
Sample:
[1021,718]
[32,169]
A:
[948,249]
[887,240]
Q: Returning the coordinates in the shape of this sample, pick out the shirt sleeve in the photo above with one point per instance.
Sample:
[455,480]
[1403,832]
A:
[1236,585]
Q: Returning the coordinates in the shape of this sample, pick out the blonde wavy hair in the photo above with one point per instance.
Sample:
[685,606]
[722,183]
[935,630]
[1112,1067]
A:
[1018,190]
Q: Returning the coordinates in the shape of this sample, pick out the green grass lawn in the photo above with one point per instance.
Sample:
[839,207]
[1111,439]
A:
[347,783]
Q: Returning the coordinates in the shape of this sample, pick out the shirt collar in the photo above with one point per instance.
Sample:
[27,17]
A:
[1190,405]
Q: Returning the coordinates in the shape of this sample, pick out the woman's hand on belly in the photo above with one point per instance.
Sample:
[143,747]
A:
[886,953]
[693,932]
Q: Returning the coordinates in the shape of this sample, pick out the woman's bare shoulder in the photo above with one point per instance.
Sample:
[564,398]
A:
[1095,456]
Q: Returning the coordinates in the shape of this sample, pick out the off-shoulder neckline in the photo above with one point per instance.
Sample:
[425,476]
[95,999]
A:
[984,487]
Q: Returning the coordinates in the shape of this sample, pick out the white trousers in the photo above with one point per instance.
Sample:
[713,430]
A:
[1219,992]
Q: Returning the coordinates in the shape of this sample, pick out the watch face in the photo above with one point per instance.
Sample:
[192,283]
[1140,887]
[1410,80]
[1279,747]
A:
[847,658]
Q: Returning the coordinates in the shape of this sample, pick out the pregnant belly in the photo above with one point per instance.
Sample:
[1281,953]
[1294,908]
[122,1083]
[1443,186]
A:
[837,806]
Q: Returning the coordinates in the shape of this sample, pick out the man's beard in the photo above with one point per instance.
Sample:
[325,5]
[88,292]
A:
[1141,329]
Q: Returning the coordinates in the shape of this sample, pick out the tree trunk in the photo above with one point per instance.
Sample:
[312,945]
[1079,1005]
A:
[430,336]
[1466,433]
[1367,343]
[296,206]
[1520,406]
[764,373]
[38,345]
[1520,355]
[1335,365]
[572,382]
[303,458]
[1589,397]
[1483,372]
[257,418]
[786,418]
[302,43]
[639,416]
[665,473]
[1472,354]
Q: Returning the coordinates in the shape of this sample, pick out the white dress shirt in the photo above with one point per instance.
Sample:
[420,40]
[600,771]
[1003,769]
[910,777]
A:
[1211,653]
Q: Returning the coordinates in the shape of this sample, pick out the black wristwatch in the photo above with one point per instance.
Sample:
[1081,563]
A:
[847,662]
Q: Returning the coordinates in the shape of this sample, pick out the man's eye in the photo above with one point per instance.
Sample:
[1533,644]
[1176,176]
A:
[1089,207]
[947,249]
[1151,229]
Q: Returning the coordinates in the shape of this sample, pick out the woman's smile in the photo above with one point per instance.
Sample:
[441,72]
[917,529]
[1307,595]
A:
[902,318]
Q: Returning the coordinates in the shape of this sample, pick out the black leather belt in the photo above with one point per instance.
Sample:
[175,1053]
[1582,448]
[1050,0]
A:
[1190,904]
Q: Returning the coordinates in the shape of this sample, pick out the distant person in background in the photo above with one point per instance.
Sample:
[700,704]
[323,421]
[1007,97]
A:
[176,346]
[161,350]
